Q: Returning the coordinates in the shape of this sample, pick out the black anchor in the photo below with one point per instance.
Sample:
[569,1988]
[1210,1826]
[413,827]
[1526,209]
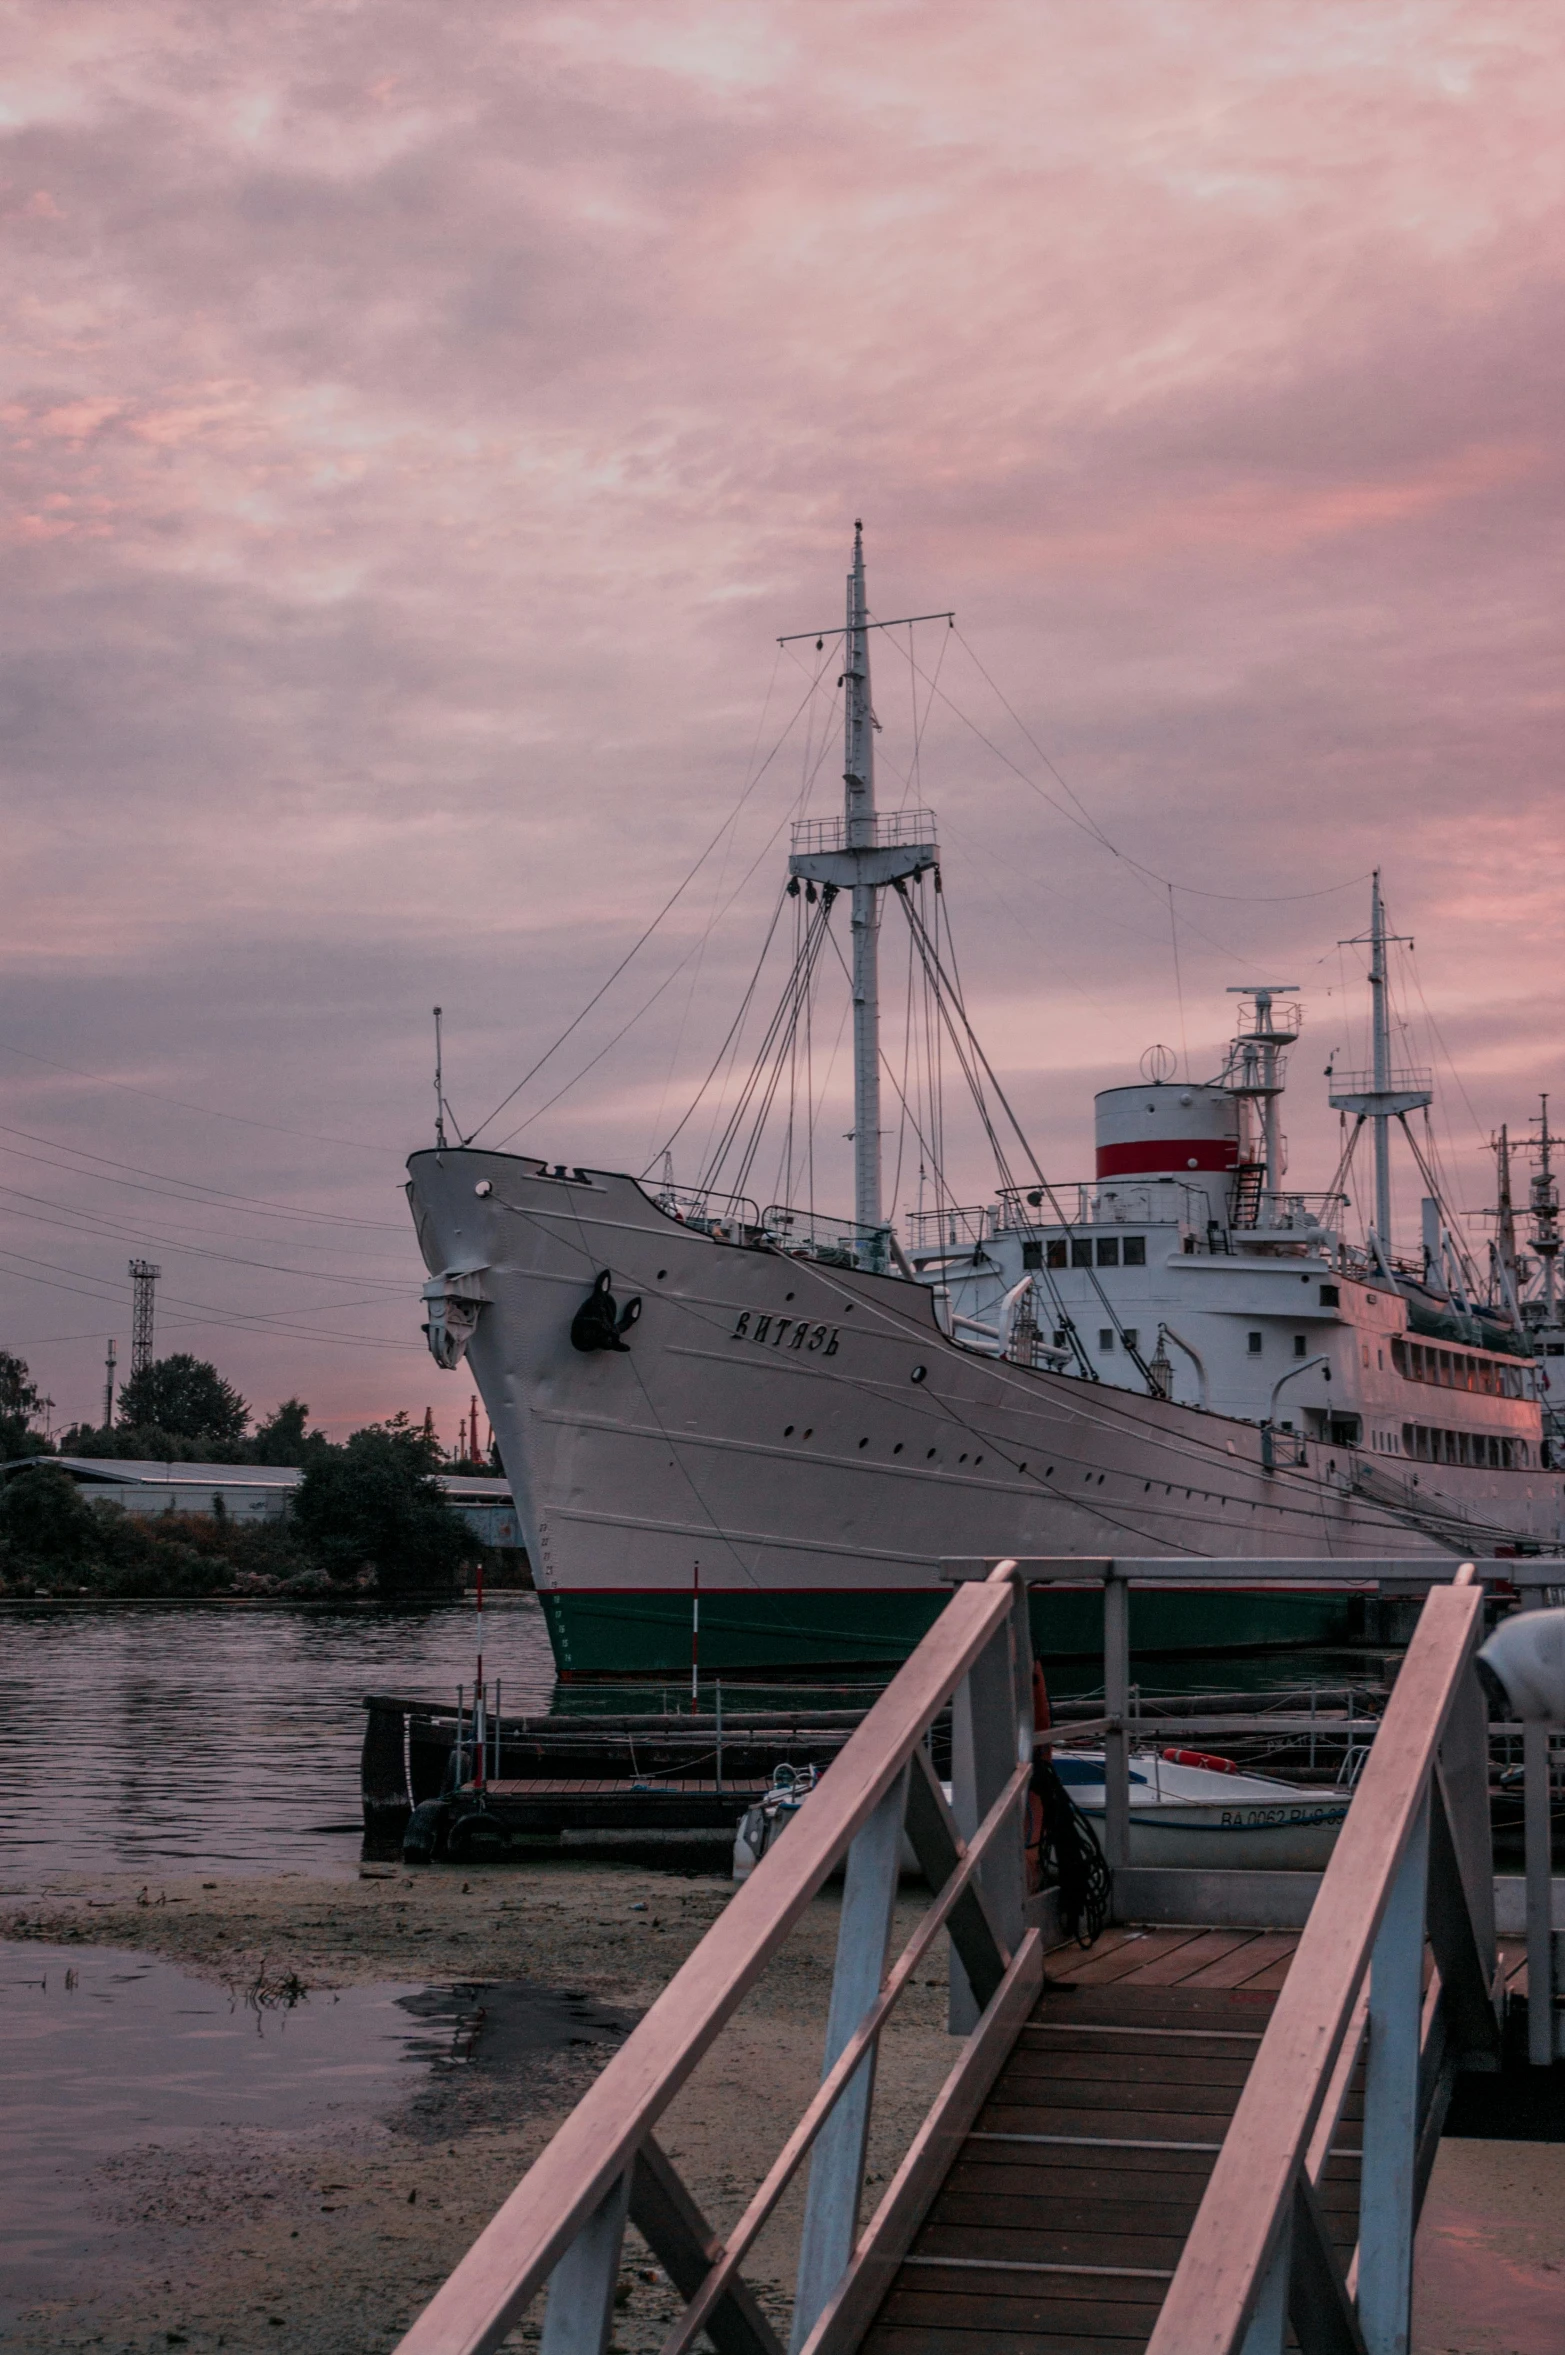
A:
[600,1323]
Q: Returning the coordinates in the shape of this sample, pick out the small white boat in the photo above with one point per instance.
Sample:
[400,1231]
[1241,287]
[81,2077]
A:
[771,1815]
[1190,1811]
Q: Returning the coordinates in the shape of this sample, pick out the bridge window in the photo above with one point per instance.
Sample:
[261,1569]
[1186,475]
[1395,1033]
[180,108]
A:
[1299,1345]
[1105,1337]
[1108,1251]
[1057,1252]
[1252,1342]
[1081,1252]
[1032,1255]
[1135,1251]
[1330,1296]
[1132,1337]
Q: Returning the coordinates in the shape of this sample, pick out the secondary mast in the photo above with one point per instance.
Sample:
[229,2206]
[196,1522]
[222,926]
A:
[1545,1207]
[1382,1100]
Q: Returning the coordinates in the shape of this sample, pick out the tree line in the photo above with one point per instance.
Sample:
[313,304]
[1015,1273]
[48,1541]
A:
[368,1514]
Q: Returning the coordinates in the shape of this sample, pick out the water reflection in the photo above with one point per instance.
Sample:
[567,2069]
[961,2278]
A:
[151,1737]
[104,2053]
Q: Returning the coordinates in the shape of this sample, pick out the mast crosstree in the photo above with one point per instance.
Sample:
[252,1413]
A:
[863,855]
[1389,1095]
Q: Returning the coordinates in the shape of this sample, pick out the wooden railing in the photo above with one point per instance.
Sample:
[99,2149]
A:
[1412,1862]
[564,2224]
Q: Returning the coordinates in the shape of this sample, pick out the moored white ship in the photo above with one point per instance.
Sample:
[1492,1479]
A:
[807,1416]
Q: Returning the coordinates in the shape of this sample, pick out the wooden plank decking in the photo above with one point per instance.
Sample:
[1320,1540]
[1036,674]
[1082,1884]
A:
[1064,2215]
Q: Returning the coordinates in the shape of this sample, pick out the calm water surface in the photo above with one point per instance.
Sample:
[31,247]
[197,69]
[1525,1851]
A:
[156,1737]
[144,1737]
[103,2054]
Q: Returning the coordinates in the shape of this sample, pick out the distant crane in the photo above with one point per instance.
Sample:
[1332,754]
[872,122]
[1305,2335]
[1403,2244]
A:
[143,1280]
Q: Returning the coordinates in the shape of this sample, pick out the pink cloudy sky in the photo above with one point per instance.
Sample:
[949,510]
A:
[419,423]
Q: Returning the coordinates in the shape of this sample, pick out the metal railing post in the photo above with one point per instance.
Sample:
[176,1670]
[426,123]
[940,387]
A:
[985,1735]
[1536,1765]
[579,2318]
[1388,2191]
[1268,2331]
[831,2210]
[1116,1743]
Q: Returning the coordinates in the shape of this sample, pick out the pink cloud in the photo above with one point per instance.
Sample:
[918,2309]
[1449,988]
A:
[416,432]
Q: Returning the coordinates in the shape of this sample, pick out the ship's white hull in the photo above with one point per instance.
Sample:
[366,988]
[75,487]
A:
[808,1437]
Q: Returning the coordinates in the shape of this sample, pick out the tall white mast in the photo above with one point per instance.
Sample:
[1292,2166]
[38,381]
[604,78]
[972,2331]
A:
[1381,1032]
[859,818]
[862,856]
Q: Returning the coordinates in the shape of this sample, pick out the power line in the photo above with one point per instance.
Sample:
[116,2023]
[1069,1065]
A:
[206,1111]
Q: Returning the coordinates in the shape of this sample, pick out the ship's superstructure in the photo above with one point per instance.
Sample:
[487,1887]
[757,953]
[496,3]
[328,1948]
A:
[1183,1267]
[808,1415]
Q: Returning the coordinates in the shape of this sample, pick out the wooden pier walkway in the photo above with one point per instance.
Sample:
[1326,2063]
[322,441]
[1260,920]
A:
[1208,2134]
[1064,2215]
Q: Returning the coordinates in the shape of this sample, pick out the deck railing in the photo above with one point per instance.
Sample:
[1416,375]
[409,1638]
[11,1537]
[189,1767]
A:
[1412,1862]
[563,2226]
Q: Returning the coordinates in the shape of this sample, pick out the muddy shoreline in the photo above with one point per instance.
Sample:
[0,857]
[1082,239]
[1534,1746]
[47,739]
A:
[331,2239]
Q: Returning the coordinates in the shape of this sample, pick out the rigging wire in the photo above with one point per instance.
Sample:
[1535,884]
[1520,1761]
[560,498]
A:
[201,1194]
[1197,891]
[1131,1348]
[641,942]
[206,1111]
[730,1037]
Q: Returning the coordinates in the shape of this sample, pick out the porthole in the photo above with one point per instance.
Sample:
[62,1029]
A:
[787,1296]
[1021,1467]
[787,1431]
[897,1450]
[483,1189]
[1049,1474]
[977,1460]
[662,1272]
[810,1433]
[961,1459]
[863,1443]
[919,1374]
[929,1455]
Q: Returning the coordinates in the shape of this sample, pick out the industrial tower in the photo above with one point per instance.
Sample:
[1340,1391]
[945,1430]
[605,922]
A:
[143,1280]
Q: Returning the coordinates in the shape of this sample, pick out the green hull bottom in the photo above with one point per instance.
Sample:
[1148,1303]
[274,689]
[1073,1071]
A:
[863,1632]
